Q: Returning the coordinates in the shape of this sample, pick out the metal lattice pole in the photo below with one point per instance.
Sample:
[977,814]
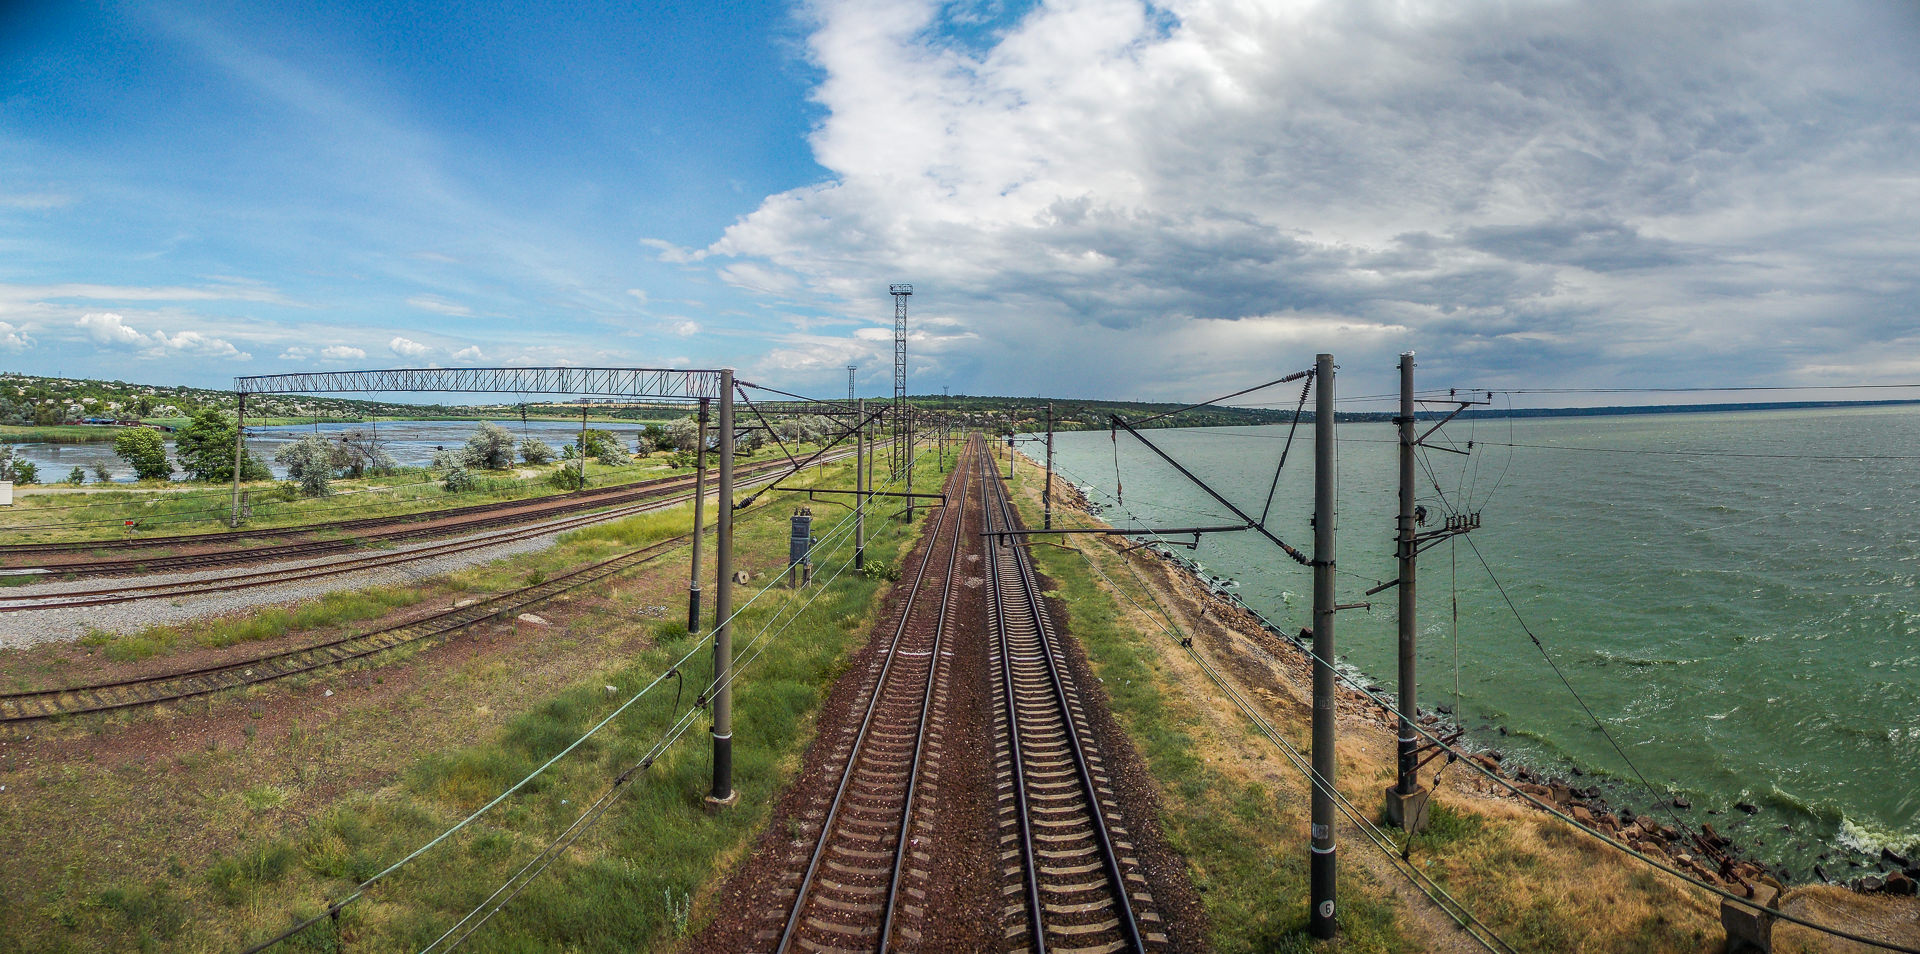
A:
[902,454]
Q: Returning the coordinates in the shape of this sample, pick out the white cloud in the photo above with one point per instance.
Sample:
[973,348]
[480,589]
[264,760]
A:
[686,327]
[35,201]
[108,328]
[1509,188]
[669,252]
[342,353]
[296,353]
[439,306]
[112,330]
[469,354]
[638,293]
[13,338]
[408,348]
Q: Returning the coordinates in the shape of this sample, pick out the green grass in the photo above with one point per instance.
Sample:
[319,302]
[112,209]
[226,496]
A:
[56,433]
[658,843]
[628,885]
[163,509]
[272,622]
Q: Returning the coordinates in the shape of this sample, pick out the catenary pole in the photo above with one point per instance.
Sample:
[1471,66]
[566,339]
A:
[1046,489]
[859,485]
[723,793]
[1407,807]
[1321,863]
[699,512]
[908,435]
[239,451]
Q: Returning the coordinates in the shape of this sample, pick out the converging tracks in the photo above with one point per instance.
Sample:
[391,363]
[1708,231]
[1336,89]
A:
[69,599]
[849,896]
[871,850]
[174,686]
[1069,874]
[248,544]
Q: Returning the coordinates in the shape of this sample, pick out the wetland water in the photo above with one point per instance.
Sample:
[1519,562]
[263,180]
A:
[1747,628]
[412,443]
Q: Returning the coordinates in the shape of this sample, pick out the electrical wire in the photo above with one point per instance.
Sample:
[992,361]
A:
[1604,731]
[671,671]
[1452,907]
[1455,754]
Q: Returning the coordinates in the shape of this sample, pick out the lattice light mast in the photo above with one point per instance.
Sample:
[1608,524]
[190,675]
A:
[850,372]
[902,427]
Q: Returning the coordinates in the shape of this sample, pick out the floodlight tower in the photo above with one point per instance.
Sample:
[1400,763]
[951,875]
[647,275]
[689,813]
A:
[902,429]
[850,371]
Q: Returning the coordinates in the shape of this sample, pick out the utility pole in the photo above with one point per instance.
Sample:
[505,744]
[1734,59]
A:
[723,793]
[583,443]
[859,486]
[699,510]
[909,433]
[239,451]
[1321,862]
[1406,800]
[1046,489]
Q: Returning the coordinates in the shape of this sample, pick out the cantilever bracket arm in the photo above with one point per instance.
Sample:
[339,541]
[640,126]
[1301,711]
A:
[802,465]
[1251,524]
[1118,531]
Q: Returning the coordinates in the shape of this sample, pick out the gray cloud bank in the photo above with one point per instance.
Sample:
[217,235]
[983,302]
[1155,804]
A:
[1107,199]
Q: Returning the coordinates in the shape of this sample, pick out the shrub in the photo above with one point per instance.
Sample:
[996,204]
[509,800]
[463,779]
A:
[76,476]
[535,451]
[143,450]
[311,461]
[490,447]
[205,450]
[459,480]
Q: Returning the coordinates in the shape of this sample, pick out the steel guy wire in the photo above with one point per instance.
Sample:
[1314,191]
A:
[1460,913]
[520,879]
[1604,731]
[1454,751]
[671,670]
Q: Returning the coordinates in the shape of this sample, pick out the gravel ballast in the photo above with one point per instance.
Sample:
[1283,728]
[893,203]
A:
[23,628]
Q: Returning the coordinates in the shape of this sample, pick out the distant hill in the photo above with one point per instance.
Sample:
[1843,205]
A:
[29,399]
[1027,415]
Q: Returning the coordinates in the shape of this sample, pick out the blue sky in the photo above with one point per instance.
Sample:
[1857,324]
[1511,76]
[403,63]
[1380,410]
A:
[1092,197]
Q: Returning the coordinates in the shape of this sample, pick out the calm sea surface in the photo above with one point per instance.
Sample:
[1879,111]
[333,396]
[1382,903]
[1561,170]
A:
[1747,627]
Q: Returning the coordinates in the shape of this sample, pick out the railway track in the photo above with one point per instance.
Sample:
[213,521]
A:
[1070,877]
[390,529]
[862,888]
[70,599]
[175,686]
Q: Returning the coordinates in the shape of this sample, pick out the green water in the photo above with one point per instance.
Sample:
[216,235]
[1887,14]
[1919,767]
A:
[1746,627]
